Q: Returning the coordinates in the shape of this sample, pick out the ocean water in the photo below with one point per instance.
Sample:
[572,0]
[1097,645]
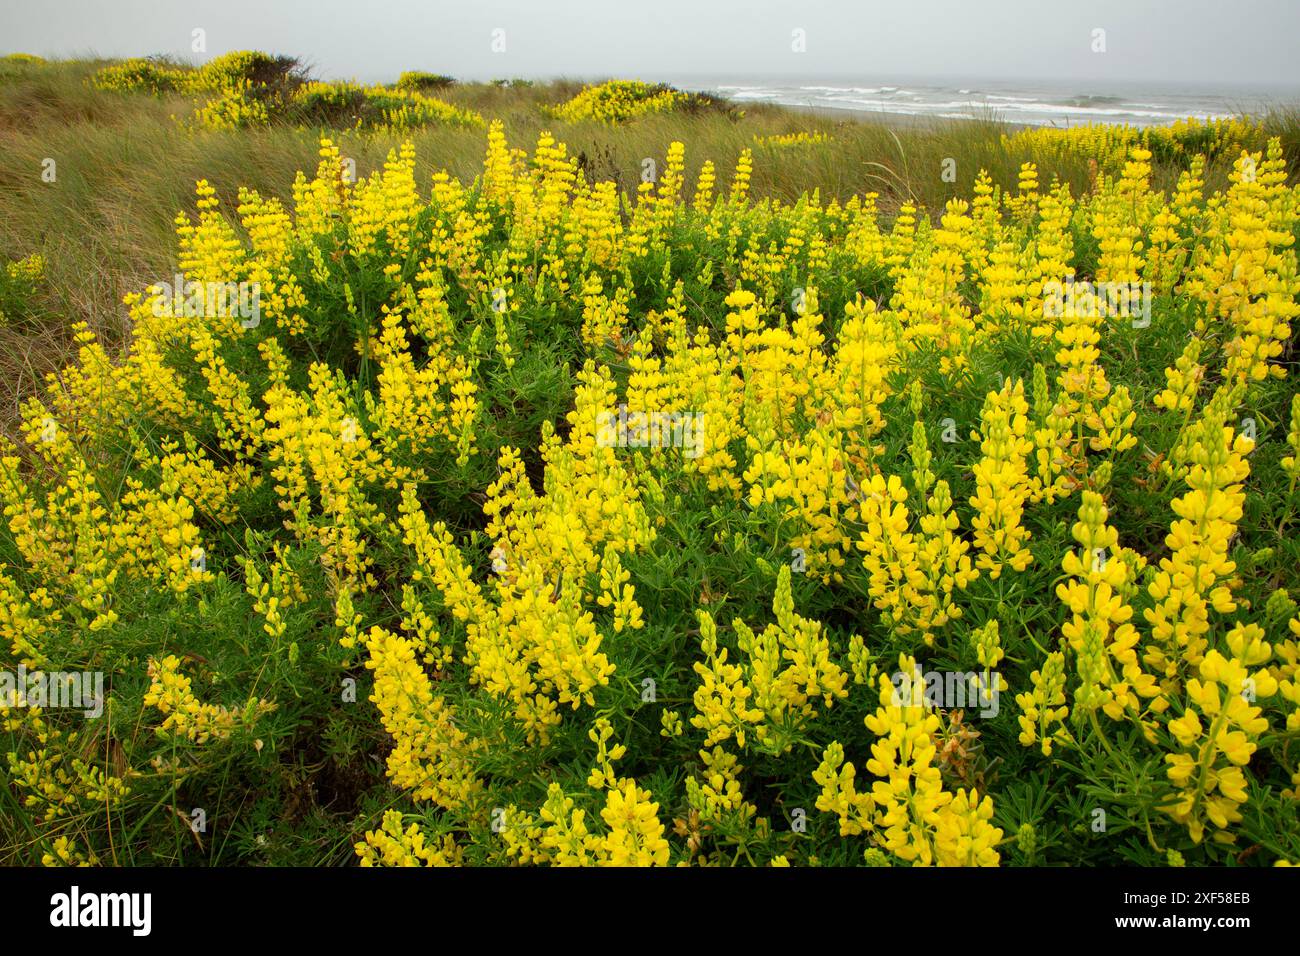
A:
[1030,104]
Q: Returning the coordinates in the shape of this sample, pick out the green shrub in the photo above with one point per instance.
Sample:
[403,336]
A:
[417,80]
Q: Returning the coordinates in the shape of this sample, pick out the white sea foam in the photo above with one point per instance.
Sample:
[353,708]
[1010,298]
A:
[1030,105]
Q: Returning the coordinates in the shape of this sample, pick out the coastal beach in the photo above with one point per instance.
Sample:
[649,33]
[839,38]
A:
[1018,102]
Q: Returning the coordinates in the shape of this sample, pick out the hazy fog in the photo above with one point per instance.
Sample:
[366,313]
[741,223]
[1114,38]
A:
[1199,42]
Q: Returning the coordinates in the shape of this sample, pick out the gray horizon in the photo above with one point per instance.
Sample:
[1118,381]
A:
[1196,43]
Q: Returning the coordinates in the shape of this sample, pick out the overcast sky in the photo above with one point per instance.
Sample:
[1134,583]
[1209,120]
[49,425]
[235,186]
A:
[1205,43]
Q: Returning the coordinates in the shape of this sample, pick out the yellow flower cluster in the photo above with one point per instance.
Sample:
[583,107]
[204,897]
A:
[401,109]
[556,556]
[559,835]
[1001,481]
[57,776]
[66,853]
[18,284]
[233,107]
[1197,576]
[1043,709]
[1108,144]
[617,101]
[29,270]
[430,754]
[1100,631]
[390,845]
[187,716]
[1218,733]
[907,811]
[769,692]
[801,138]
[138,75]
[247,88]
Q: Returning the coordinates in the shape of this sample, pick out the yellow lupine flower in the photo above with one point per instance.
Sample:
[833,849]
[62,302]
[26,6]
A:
[1100,630]
[430,756]
[187,716]
[390,845]
[1043,709]
[635,836]
[907,811]
[1218,733]
[1195,578]
[1001,481]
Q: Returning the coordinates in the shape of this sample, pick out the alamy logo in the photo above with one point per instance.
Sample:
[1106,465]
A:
[947,690]
[684,430]
[1088,300]
[71,690]
[103,909]
[241,300]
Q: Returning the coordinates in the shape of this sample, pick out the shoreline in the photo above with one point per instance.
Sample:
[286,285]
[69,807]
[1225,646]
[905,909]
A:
[894,120]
